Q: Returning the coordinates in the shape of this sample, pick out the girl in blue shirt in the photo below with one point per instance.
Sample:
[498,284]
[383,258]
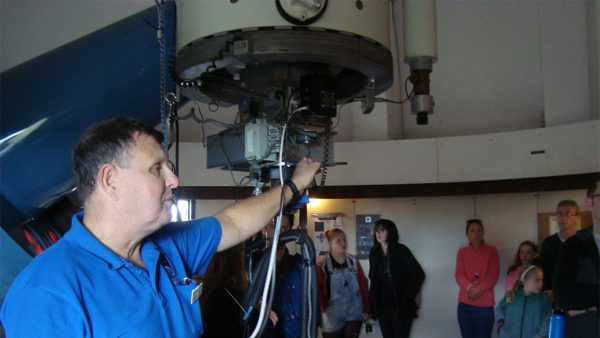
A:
[524,312]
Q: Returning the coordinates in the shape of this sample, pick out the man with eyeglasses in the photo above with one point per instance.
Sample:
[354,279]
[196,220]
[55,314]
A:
[567,215]
[577,275]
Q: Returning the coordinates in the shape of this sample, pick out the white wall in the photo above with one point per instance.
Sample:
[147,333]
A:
[569,149]
[508,65]
[30,28]
[564,47]
[503,65]
[433,228]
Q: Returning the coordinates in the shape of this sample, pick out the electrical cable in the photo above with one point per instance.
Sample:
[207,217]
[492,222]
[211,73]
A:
[270,278]
[269,303]
[192,115]
[272,259]
[381,99]
[268,289]
[339,115]
[202,125]
[310,281]
[406,88]
[310,304]
[306,313]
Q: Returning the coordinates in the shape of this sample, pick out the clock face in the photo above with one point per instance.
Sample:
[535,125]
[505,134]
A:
[301,12]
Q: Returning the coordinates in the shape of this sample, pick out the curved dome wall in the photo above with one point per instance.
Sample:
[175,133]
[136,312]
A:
[553,151]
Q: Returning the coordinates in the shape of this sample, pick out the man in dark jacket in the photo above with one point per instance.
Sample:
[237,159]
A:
[577,275]
[567,216]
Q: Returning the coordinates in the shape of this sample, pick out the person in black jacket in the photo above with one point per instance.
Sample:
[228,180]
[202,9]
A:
[567,216]
[577,274]
[396,280]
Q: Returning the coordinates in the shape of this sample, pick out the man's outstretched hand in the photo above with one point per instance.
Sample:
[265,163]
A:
[305,171]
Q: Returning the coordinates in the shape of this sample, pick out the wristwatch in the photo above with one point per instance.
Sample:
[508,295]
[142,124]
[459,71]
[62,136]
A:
[293,188]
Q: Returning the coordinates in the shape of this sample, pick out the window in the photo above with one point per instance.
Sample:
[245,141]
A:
[184,207]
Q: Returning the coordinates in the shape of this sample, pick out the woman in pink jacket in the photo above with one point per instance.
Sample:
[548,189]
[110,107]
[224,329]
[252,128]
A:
[477,266]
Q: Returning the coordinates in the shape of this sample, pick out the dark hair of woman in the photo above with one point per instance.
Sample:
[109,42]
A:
[471,222]
[517,262]
[390,227]
[227,269]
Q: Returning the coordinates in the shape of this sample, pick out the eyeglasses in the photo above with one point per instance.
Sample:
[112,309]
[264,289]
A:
[567,214]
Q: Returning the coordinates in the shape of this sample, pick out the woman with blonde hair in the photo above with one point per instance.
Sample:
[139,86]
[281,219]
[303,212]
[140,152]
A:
[524,312]
[343,289]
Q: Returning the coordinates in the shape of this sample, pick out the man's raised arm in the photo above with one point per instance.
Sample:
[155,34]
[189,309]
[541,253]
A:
[245,218]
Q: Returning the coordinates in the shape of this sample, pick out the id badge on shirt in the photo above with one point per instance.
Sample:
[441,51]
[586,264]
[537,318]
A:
[196,293]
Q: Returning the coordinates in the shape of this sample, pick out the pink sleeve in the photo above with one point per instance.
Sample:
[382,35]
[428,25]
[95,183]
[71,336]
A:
[510,279]
[493,269]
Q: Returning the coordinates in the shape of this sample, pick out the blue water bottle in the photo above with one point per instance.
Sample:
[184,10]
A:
[557,326]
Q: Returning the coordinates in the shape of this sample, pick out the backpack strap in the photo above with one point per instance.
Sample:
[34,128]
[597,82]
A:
[352,263]
[328,264]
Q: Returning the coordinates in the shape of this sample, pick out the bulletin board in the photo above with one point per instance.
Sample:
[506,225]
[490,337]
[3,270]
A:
[364,234]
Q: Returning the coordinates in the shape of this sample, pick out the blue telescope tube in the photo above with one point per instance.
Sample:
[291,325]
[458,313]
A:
[48,102]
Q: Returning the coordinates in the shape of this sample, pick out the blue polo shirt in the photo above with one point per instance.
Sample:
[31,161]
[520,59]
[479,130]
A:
[80,288]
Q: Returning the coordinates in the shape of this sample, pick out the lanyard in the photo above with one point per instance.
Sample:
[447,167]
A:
[175,279]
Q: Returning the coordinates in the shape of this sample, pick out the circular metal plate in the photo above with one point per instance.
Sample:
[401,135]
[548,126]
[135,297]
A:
[236,65]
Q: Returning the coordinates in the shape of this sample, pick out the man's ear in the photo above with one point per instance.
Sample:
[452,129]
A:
[106,180]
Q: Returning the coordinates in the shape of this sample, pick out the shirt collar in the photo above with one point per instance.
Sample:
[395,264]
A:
[79,235]
[562,239]
[479,248]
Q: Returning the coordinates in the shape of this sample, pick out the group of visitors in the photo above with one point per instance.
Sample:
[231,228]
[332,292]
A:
[563,280]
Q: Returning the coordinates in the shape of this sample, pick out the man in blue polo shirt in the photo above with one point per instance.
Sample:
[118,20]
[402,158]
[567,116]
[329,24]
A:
[121,271]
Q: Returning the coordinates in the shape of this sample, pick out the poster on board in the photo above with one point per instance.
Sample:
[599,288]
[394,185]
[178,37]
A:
[364,234]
